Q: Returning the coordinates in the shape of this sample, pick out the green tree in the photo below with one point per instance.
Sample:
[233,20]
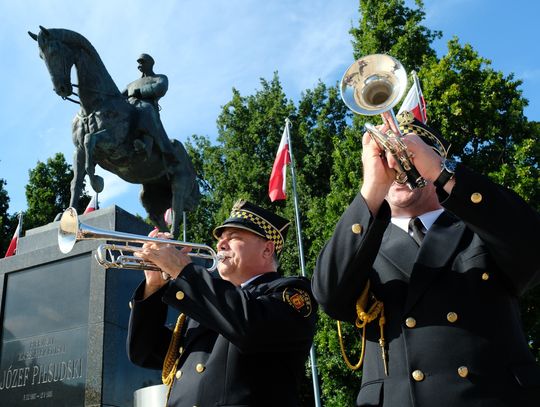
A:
[393,28]
[48,191]
[250,130]
[248,134]
[479,110]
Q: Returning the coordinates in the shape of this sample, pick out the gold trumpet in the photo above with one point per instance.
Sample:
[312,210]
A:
[71,230]
[372,85]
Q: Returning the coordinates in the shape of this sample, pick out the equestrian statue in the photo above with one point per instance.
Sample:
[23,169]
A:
[116,133]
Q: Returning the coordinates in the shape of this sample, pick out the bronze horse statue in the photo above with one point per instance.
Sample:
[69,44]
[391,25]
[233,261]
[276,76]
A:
[108,131]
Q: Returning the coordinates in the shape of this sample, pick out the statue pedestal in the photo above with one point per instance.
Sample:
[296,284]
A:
[65,319]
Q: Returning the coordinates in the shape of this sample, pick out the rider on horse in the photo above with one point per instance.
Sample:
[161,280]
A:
[144,93]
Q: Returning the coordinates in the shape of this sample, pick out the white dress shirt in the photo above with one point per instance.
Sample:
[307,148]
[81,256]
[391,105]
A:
[427,219]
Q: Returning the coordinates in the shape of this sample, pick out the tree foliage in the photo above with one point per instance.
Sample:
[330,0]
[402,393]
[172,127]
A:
[48,191]
[47,195]
[390,27]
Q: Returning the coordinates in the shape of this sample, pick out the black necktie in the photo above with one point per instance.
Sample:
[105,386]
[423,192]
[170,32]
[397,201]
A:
[416,230]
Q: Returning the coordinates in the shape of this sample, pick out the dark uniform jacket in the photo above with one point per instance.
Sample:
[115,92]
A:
[453,331]
[240,347]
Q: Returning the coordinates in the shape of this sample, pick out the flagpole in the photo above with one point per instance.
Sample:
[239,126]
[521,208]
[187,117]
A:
[20,224]
[312,356]
[184,226]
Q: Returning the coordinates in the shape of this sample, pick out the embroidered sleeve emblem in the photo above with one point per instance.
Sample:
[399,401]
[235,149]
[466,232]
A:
[299,300]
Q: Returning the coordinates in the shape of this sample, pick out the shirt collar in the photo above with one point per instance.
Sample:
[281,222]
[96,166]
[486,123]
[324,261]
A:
[250,280]
[428,219]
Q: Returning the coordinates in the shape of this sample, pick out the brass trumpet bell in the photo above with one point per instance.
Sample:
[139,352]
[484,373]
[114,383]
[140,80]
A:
[373,84]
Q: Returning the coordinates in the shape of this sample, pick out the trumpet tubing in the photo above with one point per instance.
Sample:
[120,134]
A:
[71,231]
[110,255]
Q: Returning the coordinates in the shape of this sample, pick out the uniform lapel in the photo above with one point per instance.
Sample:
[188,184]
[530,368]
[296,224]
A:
[399,248]
[438,247]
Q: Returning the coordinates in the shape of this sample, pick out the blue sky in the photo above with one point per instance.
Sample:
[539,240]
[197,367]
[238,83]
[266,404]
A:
[207,47]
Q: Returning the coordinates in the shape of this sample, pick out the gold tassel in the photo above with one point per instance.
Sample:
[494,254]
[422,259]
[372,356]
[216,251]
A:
[170,364]
[363,318]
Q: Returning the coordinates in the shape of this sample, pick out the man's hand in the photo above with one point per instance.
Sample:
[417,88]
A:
[167,257]
[423,157]
[378,176]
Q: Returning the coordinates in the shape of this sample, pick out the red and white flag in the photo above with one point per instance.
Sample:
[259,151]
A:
[12,248]
[278,178]
[414,102]
[92,205]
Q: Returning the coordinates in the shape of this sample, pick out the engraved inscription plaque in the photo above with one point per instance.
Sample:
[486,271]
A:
[65,320]
[44,335]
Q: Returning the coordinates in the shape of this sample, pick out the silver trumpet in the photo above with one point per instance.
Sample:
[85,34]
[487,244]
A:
[372,85]
[71,230]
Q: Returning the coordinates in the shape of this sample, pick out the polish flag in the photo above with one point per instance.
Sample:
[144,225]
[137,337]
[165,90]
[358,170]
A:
[12,248]
[92,205]
[414,102]
[278,178]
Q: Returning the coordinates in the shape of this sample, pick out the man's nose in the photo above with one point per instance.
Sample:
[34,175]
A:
[222,244]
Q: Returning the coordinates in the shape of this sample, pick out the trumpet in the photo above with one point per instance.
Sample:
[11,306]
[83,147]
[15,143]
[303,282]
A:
[372,85]
[71,231]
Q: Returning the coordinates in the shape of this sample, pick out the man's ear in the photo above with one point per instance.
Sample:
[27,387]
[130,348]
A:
[269,249]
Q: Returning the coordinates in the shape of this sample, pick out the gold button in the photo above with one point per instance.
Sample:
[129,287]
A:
[356,228]
[410,322]
[485,276]
[462,371]
[178,374]
[451,317]
[180,295]
[199,368]
[418,375]
[181,350]
[476,197]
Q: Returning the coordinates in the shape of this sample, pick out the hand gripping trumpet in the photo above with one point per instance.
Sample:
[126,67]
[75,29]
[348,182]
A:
[372,85]
[71,230]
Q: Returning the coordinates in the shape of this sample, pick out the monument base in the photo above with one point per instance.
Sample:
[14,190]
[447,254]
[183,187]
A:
[65,320]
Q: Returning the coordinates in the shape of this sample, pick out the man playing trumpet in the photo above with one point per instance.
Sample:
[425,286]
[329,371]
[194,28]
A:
[436,301]
[244,336]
